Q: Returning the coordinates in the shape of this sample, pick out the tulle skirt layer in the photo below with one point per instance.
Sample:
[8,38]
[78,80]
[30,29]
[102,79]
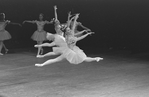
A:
[39,36]
[61,50]
[4,35]
[75,55]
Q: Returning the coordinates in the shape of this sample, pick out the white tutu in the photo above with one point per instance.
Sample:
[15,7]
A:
[75,55]
[39,36]
[4,35]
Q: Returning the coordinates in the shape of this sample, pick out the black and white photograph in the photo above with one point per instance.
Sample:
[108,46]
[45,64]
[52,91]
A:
[74,48]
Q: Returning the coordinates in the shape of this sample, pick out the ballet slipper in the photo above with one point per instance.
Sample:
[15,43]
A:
[41,51]
[39,56]
[98,59]
[6,51]
[1,54]
[39,65]
[37,46]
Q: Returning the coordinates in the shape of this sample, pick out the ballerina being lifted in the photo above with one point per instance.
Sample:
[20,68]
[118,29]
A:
[66,47]
[40,34]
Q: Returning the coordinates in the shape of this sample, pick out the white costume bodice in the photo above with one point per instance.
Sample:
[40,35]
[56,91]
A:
[60,40]
[2,25]
[40,25]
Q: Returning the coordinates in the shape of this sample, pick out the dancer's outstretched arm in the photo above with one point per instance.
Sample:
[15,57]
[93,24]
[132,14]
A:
[78,33]
[45,44]
[29,21]
[80,24]
[47,22]
[9,22]
[82,37]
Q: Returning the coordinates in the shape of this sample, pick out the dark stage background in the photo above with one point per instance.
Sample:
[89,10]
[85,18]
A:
[118,24]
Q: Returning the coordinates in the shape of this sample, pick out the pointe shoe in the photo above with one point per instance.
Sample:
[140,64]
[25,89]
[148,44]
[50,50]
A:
[39,56]
[38,65]
[1,54]
[6,51]
[98,59]
[41,52]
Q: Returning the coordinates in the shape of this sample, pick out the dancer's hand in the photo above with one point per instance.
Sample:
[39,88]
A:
[8,21]
[23,22]
[98,59]
[37,45]
[90,33]
[88,30]
[55,7]
[39,65]
[52,20]
[20,25]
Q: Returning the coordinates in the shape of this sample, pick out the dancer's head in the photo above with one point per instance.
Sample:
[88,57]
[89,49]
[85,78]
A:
[68,32]
[50,36]
[41,15]
[2,17]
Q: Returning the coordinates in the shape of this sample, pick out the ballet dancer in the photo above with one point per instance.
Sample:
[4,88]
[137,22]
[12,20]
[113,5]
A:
[71,53]
[60,49]
[4,34]
[77,55]
[40,34]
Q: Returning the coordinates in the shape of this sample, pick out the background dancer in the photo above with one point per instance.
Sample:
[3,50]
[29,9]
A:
[4,35]
[40,34]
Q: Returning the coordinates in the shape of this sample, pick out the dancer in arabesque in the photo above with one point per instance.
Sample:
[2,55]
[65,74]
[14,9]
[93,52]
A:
[77,55]
[40,34]
[67,51]
[4,34]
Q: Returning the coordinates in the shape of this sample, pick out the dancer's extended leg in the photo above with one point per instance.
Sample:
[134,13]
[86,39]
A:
[1,45]
[90,59]
[50,61]
[47,54]
[6,50]
[40,49]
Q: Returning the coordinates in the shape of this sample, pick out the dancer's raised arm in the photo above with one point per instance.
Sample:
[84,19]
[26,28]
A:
[55,13]
[70,21]
[74,23]
[69,15]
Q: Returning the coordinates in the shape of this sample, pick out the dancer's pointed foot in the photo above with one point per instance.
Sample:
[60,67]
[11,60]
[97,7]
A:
[98,59]
[6,51]
[41,52]
[39,56]
[1,54]
[39,65]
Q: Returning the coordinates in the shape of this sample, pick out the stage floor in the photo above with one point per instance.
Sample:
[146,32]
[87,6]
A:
[118,75]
